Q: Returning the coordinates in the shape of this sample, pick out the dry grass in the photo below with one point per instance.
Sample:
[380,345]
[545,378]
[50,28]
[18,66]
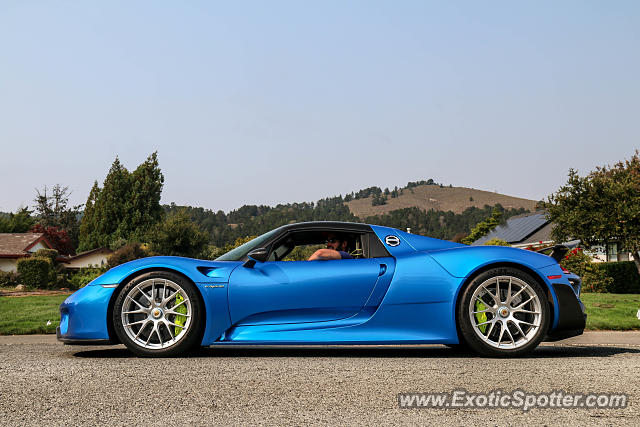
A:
[427,197]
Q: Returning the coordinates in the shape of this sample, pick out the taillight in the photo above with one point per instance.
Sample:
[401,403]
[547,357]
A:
[564,270]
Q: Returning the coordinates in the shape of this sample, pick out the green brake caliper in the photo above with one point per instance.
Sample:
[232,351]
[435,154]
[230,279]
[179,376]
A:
[481,317]
[180,320]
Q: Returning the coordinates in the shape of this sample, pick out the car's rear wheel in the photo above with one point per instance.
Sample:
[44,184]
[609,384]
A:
[158,314]
[503,312]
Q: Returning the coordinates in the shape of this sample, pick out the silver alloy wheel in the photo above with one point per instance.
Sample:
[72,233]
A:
[505,312]
[149,315]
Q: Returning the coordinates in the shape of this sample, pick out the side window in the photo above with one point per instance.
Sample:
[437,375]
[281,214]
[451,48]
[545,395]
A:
[374,247]
[302,252]
[300,245]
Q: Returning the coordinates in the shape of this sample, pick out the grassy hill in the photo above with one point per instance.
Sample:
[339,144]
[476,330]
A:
[427,197]
[424,206]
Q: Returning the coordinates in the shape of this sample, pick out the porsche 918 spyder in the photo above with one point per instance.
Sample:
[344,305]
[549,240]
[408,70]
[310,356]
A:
[393,288]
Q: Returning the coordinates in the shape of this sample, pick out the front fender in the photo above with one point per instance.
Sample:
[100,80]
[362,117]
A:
[210,278]
[195,269]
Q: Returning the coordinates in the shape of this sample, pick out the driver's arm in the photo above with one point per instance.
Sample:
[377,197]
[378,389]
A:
[325,254]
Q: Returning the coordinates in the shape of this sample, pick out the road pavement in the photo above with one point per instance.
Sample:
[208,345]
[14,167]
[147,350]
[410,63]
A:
[46,383]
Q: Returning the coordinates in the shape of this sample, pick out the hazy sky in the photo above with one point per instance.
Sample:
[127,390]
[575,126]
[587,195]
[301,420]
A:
[262,102]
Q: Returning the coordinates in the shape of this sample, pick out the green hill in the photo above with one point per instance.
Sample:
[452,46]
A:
[409,207]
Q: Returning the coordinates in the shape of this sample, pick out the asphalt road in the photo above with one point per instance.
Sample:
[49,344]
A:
[46,383]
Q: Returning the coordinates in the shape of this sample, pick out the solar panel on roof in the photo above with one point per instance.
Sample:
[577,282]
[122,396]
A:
[516,229]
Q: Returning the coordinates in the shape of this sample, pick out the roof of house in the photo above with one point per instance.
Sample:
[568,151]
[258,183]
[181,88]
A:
[13,245]
[90,252]
[519,229]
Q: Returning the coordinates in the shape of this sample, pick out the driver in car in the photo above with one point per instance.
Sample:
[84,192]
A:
[336,249]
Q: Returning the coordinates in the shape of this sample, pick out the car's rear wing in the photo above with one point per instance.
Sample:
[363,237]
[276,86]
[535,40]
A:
[557,251]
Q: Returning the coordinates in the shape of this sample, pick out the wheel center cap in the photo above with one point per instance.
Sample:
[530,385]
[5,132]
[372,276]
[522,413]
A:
[503,312]
[156,313]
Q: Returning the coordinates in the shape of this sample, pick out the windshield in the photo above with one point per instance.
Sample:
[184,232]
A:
[239,253]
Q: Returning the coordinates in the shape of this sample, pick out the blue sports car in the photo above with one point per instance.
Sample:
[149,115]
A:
[386,287]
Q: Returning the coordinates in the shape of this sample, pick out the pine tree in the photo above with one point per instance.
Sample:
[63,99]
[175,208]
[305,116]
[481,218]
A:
[142,209]
[88,229]
[127,206]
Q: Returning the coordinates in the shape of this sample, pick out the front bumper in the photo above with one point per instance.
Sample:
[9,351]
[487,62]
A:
[83,316]
[572,316]
[71,341]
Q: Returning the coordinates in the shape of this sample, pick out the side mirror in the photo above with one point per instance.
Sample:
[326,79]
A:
[256,255]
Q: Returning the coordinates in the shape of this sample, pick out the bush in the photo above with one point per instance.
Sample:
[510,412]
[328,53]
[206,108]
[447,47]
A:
[36,272]
[79,278]
[593,278]
[127,253]
[178,235]
[496,242]
[8,279]
[50,254]
[626,279]
[213,252]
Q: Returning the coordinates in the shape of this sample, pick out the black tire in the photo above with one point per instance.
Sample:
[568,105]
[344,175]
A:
[525,327]
[160,317]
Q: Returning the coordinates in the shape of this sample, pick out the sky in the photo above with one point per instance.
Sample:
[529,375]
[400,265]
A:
[256,102]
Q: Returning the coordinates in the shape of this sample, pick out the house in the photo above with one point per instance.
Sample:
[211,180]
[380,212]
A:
[93,258]
[14,246]
[522,231]
[533,229]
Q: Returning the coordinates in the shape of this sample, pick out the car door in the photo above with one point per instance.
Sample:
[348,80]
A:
[277,292]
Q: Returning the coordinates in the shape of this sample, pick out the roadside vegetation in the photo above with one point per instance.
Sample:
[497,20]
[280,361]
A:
[29,314]
[23,315]
[125,215]
[612,311]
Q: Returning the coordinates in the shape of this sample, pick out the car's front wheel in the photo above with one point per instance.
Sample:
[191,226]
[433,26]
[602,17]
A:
[503,312]
[158,314]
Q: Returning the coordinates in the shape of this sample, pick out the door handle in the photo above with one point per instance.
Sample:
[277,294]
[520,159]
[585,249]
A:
[383,269]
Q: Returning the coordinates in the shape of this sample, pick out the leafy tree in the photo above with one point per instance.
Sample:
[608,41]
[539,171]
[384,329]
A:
[127,206]
[602,205]
[128,252]
[458,237]
[178,235]
[53,212]
[378,199]
[213,252]
[58,238]
[19,222]
[484,227]
[593,278]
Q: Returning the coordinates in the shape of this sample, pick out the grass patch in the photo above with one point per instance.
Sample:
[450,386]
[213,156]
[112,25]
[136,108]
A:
[612,311]
[29,314]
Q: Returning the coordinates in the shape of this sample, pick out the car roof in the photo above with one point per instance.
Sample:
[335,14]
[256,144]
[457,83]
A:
[333,225]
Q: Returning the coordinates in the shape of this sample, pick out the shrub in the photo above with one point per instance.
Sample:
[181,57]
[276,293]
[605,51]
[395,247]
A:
[50,254]
[178,235]
[593,278]
[496,242]
[79,278]
[626,279]
[213,252]
[35,272]
[127,253]
[8,279]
